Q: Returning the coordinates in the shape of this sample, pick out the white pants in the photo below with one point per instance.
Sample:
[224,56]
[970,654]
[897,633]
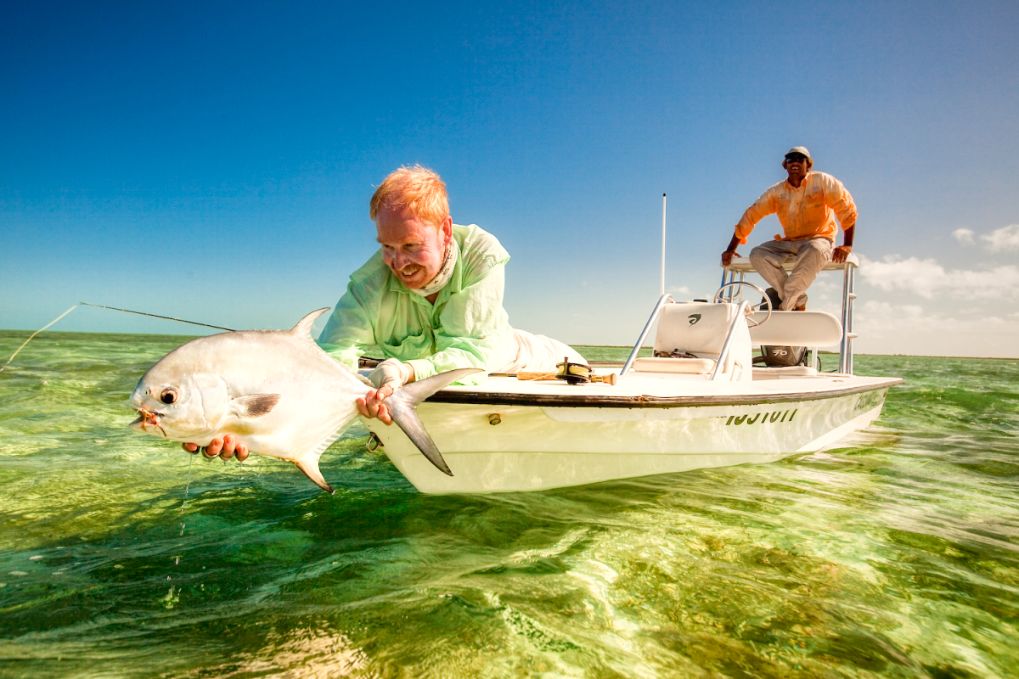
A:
[812,255]
[539,353]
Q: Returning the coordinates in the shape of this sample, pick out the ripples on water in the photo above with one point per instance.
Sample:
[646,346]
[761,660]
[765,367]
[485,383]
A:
[896,555]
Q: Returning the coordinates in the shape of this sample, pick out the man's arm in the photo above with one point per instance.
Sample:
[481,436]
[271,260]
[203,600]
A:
[349,330]
[841,253]
[473,329]
[841,201]
[730,251]
[762,207]
[347,336]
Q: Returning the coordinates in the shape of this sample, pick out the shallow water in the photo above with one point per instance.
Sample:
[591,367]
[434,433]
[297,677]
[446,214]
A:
[120,556]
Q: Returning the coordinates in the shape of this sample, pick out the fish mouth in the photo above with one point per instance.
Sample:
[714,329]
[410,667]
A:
[148,418]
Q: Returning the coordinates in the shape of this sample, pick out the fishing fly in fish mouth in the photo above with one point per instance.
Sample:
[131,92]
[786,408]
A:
[147,404]
[149,418]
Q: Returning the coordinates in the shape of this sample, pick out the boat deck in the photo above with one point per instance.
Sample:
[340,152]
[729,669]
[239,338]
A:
[645,389]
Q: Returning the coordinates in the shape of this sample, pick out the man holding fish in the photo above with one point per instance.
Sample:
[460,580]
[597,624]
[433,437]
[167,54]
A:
[429,301]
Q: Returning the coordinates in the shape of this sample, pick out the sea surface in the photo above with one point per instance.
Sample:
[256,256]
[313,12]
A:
[896,555]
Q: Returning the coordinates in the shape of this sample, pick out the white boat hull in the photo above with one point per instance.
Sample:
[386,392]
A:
[526,441]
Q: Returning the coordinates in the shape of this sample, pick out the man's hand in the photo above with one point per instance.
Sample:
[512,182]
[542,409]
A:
[391,373]
[373,404]
[727,257]
[387,376]
[225,448]
[839,254]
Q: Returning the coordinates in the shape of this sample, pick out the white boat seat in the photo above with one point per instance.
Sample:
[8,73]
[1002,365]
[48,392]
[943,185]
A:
[687,366]
[784,371]
[796,328]
[699,329]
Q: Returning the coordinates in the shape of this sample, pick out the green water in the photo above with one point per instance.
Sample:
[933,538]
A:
[896,555]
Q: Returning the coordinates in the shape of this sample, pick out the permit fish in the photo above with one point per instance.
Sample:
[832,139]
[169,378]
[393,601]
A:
[276,391]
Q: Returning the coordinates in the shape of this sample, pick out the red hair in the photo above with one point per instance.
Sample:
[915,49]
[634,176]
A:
[417,188]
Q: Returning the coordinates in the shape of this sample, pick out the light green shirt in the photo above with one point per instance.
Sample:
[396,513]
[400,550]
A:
[466,327]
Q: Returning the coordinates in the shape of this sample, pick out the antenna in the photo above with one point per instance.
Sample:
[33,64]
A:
[661,279]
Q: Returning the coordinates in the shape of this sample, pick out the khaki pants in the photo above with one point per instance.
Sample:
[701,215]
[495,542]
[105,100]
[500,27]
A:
[811,254]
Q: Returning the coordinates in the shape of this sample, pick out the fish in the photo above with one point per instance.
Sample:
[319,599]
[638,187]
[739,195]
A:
[275,391]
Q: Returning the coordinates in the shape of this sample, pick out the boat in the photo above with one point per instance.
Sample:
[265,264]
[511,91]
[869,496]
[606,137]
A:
[697,402]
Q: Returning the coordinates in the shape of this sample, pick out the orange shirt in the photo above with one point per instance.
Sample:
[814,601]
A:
[806,211]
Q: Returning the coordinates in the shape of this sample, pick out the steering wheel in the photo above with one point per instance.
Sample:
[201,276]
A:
[739,296]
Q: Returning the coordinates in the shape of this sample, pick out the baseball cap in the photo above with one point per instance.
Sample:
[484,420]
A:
[802,150]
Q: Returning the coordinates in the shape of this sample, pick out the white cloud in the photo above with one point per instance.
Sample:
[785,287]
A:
[928,279]
[964,236]
[1006,238]
[887,328]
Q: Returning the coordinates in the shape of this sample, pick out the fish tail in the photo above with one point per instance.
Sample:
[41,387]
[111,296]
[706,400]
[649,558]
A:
[402,406]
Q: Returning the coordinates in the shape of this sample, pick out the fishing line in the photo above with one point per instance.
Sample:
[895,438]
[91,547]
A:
[25,343]
[112,308]
[172,597]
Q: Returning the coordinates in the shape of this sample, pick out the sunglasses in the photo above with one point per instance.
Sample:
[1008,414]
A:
[796,157]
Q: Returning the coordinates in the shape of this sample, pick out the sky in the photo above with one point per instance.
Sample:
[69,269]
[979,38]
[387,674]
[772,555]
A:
[214,161]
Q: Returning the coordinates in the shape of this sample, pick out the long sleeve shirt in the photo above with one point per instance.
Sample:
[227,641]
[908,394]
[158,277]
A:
[466,327]
[806,211]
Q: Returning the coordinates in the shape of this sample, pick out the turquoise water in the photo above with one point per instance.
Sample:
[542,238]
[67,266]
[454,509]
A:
[121,556]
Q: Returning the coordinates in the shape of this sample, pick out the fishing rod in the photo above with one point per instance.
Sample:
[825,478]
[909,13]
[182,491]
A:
[112,308]
[168,318]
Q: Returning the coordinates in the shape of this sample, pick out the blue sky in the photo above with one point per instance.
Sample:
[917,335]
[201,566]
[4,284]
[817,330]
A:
[214,160]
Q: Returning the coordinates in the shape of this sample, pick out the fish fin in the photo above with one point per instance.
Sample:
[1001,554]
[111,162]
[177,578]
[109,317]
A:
[303,327]
[256,405]
[324,431]
[402,406]
[309,467]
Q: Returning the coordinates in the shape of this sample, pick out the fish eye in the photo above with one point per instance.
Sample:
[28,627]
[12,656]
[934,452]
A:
[168,396]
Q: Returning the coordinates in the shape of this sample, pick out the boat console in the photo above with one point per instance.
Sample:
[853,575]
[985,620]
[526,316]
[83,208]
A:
[691,338]
[735,274]
[712,338]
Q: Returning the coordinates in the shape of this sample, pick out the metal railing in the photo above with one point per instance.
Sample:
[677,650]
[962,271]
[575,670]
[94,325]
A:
[740,316]
[662,301]
[738,269]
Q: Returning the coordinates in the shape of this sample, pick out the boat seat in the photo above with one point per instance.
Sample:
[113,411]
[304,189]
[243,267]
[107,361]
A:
[776,372]
[796,328]
[687,366]
[699,329]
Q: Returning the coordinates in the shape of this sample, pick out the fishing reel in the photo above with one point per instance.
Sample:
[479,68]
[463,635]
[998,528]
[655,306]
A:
[579,373]
[573,373]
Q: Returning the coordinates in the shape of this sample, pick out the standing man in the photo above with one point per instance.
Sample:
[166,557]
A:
[807,204]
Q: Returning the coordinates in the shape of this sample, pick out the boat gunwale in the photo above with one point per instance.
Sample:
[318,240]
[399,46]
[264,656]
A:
[647,401]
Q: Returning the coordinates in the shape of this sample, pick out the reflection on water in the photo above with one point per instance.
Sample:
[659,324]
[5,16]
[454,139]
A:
[896,554]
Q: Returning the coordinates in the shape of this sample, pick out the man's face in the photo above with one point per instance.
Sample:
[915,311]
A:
[796,166]
[412,248]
